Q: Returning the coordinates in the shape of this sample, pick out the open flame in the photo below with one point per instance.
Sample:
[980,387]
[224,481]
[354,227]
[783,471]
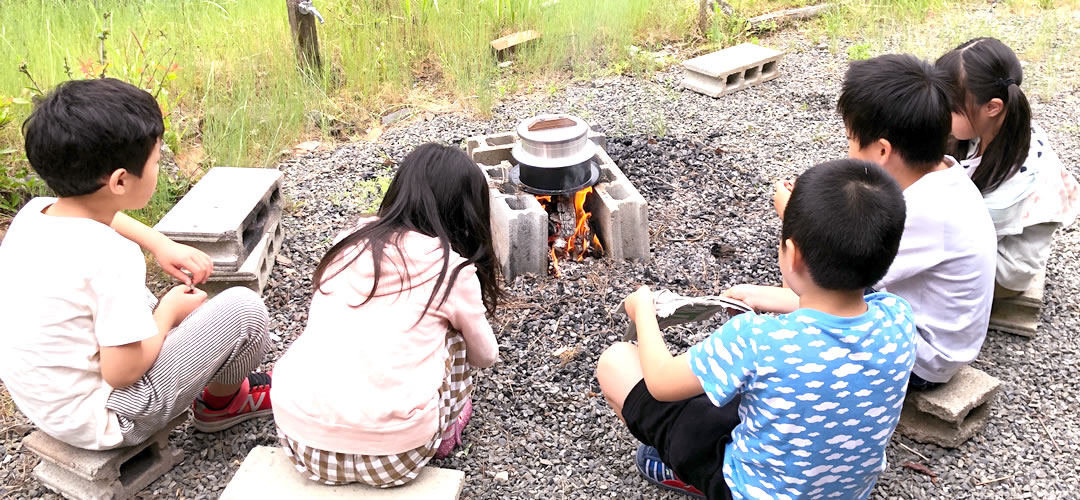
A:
[570,236]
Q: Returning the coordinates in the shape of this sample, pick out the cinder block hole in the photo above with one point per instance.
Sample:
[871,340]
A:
[500,140]
[515,202]
[607,174]
[495,173]
[275,243]
[265,270]
[255,227]
[136,466]
[768,69]
[275,197]
[618,191]
[985,407]
[751,75]
[733,80]
[472,144]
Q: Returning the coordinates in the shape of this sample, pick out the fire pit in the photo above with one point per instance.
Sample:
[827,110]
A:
[556,195]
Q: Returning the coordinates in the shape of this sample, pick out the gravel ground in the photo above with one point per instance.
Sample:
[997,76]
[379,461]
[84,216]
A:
[706,167]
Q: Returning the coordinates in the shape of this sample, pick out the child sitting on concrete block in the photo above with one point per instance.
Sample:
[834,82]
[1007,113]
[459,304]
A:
[1028,191]
[379,383]
[897,112]
[84,352]
[800,405]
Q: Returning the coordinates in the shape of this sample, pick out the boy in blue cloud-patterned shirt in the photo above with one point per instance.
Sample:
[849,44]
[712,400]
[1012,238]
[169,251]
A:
[799,406]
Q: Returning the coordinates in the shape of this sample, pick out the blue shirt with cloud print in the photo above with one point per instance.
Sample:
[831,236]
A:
[821,396]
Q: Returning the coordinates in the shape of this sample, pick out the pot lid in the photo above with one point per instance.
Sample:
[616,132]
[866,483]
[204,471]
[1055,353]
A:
[553,141]
[552,129]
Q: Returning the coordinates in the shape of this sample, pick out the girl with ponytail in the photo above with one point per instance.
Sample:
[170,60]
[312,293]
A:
[1026,188]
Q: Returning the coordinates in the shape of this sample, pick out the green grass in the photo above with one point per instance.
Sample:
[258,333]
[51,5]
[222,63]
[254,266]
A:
[236,90]
[225,72]
[1044,38]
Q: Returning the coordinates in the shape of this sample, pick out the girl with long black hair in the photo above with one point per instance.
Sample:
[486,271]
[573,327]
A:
[379,382]
[1027,189]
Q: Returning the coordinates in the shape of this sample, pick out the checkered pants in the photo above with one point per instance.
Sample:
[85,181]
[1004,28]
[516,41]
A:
[385,471]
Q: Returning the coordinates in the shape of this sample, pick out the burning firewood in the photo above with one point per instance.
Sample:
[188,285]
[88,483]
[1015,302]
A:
[570,232]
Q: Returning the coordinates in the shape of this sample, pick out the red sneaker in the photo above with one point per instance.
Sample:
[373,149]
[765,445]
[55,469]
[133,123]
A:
[251,401]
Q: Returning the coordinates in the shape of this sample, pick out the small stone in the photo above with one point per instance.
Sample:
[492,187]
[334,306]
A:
[502,476]
[396,116]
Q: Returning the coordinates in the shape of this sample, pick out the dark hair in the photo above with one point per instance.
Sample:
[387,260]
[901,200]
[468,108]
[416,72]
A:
[847,217]
[438,191]
[980,70]
[84,130]
[901,99]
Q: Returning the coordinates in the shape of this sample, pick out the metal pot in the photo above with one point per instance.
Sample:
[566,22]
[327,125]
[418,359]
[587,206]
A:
[554,155]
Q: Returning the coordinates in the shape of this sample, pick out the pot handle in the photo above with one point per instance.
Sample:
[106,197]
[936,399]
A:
[552,123]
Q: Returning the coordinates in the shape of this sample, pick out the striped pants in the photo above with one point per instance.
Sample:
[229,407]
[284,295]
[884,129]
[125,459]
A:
[384,471]
[221,341]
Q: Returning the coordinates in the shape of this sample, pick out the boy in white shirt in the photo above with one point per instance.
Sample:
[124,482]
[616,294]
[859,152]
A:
[83,352]
[897,113]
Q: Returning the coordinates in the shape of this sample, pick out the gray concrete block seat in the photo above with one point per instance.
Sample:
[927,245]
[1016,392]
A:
[114,474]
[267,473]
[1020,315]
[951,414]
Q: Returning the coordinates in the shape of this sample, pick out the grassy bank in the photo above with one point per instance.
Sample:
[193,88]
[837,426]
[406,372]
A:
[224,70]
[235,89]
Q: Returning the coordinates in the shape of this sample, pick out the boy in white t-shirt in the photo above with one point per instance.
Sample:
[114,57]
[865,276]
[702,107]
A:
[897,113]
[84,353]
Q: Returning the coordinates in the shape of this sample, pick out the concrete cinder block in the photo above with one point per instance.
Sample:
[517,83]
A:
[621,213]
[227,213]
[255,270]
[926,428]
[103,475]
[1020,315]
[519,227]
[731,69]
[268,473]
[967,390]
[950,414]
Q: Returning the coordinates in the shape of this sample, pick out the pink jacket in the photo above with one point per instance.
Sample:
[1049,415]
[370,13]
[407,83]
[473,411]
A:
[365,380]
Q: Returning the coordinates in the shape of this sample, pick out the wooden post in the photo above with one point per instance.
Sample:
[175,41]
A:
[704,8]
[305,37]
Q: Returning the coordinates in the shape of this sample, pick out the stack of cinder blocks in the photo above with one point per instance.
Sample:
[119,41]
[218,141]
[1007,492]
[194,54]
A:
[114,474]
[234,215]
[951,414]
[1020,315]
[734,68]
[520,223]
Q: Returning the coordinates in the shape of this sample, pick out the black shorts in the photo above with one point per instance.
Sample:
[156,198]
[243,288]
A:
[691,435]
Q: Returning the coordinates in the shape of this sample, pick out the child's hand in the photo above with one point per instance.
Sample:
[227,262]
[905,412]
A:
[764,298]
[781,195]
[176,258]
[641,300]
[179,302]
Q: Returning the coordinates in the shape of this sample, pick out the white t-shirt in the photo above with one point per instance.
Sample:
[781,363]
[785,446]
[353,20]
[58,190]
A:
[945,269]
[70,286]
[1041,191]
